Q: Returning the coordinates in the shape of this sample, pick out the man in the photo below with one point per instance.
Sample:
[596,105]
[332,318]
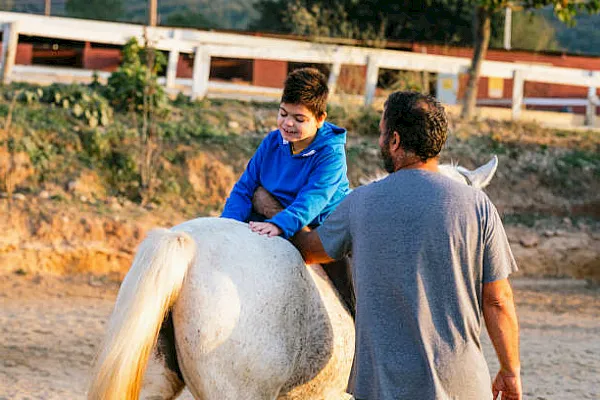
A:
[430,258]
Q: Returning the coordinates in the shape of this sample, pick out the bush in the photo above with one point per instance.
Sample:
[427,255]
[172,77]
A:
[125,87]
[83,103]
[80,101]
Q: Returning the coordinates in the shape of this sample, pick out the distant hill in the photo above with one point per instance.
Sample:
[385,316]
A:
[224,14]
[583,38]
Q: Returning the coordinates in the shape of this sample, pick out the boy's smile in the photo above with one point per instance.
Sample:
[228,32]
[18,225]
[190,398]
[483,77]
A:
[298,125]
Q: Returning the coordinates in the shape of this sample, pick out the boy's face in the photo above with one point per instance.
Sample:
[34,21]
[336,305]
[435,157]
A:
[298,124]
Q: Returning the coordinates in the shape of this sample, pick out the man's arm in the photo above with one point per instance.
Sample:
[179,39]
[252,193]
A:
[502,326]
[311,248]
[307,241]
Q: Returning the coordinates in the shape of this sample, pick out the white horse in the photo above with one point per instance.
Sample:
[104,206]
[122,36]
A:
[232,315]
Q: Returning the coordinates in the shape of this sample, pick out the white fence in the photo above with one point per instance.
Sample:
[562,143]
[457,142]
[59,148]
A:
[204,45]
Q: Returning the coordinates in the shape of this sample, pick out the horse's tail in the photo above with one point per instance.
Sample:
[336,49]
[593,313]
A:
[146,295]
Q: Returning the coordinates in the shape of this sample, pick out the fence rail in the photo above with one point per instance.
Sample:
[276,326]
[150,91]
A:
[204,45]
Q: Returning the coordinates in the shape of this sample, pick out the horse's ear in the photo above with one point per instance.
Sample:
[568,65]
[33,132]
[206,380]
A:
[482,176]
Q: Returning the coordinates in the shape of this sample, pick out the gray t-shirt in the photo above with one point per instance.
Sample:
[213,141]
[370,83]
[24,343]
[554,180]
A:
[422,246]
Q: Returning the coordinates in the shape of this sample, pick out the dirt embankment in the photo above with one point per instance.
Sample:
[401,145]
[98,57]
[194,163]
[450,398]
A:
[37,235]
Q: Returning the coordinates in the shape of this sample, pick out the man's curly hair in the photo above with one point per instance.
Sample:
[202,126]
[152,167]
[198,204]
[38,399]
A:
[419,119]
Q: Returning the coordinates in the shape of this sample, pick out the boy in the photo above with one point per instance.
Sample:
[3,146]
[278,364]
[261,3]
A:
[302,163]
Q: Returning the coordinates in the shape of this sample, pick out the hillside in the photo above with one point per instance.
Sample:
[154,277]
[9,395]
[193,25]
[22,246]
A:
[77,200]
[224,14]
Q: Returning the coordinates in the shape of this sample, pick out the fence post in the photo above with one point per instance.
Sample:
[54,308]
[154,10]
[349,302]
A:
[447,88]
[371,81]
[517,94]
[173,60]
[334,74]
[201,73]
[590,109]
[593,102]
[10,39]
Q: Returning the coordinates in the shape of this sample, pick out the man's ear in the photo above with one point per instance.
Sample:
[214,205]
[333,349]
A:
[321,119]
[395,141]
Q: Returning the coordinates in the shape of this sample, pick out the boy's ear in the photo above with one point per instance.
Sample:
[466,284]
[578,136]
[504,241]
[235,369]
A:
[321,119]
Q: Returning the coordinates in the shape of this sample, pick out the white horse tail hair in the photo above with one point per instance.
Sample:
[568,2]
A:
[147,293]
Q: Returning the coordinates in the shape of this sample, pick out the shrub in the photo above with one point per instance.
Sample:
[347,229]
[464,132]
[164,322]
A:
[125,87]
[80,101]
[83,103]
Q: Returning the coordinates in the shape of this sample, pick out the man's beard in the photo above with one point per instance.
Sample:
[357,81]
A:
[386,156]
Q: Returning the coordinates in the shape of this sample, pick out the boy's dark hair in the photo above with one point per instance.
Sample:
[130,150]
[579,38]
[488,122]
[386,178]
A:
[419,119]
[306,86]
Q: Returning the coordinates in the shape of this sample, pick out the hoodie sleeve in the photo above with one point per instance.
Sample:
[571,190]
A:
[322,184]
[239,203]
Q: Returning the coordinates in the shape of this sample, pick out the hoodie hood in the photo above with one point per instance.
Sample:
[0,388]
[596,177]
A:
[329,135]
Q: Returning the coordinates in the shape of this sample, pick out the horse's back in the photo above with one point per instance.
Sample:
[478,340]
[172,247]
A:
[250,315]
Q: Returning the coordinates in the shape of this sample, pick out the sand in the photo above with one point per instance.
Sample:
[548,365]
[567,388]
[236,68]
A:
[50,328]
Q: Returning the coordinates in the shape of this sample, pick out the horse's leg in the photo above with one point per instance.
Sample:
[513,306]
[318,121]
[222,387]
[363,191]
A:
[163,379]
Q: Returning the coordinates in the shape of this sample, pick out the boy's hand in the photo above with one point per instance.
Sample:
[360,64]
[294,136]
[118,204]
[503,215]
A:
[265,228]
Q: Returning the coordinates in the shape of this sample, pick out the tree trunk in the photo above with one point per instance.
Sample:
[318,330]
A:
[482,31]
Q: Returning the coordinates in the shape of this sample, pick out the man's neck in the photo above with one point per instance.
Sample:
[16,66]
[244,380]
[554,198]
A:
[416,163]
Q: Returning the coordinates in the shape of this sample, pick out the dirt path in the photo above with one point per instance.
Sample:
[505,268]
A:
[50,327]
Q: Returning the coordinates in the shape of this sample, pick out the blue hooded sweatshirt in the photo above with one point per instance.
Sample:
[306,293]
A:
[309,184]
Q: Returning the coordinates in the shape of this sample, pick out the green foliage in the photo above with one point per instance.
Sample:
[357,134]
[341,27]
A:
[190,19]
[332,21]
[584,37]
[126,86]
[359,121]
[364,122]
[583,160]
[189,129]
[394,80]
[80,101]
[123,173]
[530,31]
[108,10]
[439,21]
[228,14]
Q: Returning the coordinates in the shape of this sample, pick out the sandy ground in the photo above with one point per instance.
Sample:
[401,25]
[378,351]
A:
[50,327]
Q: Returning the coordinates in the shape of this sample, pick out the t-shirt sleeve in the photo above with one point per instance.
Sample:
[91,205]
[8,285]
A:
[335,233]
[498,259]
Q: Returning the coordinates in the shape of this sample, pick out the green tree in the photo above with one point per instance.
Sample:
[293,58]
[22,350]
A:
[485,10]
[437,21]
[134,87]
[584,37]
[532,31]
[126,86]
[189,19]
[108,10]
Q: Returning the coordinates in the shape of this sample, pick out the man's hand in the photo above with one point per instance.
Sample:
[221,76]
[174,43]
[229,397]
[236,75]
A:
[509,384]
[265,204]
[265,228]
